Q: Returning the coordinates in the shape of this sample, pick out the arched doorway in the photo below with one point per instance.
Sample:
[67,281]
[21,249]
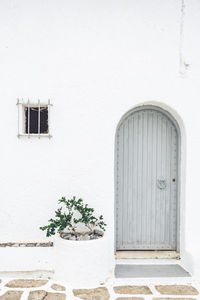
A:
[147,153]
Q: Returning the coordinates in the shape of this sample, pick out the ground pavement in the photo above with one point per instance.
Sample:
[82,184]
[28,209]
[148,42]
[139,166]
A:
[46,289]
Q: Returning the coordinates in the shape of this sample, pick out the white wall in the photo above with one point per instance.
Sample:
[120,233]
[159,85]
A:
[94,60]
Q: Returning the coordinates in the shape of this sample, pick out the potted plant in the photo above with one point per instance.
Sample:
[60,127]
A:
[81,247]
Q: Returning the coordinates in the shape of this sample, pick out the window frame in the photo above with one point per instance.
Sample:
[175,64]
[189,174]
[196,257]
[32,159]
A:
[22,105]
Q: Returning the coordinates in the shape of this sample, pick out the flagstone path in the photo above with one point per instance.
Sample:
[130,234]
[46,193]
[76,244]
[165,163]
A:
[40,289]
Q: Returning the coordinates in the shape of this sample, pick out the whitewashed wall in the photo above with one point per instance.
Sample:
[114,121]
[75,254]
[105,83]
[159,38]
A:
[94,60]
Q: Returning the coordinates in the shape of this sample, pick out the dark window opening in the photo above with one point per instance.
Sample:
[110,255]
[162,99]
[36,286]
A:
[32,116]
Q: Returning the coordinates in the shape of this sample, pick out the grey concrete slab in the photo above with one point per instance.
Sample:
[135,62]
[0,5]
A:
[149,271]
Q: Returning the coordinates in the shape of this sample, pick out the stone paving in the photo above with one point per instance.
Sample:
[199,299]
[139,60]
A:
[40,289]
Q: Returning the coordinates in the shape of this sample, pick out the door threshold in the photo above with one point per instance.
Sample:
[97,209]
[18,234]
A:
[147,254]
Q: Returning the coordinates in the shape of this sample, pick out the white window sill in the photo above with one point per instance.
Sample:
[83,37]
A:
[35,135]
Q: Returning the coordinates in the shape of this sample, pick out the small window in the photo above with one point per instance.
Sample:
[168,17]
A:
[33,119]
[36,120]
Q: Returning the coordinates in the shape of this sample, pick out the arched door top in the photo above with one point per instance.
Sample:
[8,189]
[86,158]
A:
[150,107]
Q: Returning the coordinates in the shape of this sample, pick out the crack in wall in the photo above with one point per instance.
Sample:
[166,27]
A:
[43,298]
[183,66]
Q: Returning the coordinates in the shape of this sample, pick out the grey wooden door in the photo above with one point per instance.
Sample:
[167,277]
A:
[146,181]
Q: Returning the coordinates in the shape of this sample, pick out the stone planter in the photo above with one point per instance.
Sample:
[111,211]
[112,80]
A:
[80,263]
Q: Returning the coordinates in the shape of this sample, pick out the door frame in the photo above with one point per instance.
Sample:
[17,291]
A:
[178,123]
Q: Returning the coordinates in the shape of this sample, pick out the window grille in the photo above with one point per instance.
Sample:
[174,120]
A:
[34,118]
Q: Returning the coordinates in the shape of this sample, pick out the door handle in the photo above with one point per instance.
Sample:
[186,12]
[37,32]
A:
[161,184]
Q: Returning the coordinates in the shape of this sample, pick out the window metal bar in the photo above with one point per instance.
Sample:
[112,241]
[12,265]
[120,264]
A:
[28,118]
[18,116]
[49,104]
[38,118]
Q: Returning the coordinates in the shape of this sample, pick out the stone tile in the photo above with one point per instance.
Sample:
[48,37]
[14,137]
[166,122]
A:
[26,283]
[132,289]
[37,295]
[43,295]
[131,298]
[100,293]
[174,298]
[58,287]
[55,296]
[11,295]
[176,290]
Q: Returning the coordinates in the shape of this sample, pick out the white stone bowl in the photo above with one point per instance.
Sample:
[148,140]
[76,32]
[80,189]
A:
[82,263]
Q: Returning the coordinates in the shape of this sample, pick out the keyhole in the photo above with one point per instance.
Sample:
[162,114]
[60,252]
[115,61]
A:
[173,179]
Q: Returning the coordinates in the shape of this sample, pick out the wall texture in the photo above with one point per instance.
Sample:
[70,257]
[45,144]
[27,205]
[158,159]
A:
[94,60]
